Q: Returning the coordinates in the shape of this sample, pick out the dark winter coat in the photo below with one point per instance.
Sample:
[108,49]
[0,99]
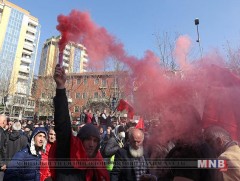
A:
[3,146]
[25,164]
[126,172]
[16,141]
[111,147]
[69,147]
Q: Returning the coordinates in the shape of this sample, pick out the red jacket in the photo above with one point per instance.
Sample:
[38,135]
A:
[44,169]
[79,161]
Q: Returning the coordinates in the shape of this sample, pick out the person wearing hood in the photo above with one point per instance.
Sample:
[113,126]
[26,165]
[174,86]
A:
[16,141]
[25,164]
[74,152]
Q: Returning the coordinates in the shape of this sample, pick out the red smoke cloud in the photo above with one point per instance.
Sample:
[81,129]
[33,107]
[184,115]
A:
[155,88]
[78,27]
[182,48]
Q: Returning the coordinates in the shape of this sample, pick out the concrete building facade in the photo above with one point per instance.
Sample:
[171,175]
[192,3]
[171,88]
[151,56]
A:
[19,38]
[74,57]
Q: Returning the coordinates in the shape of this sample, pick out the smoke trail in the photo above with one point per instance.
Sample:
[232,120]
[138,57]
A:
[182,47]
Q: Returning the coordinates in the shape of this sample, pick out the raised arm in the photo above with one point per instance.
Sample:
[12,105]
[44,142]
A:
[61,115]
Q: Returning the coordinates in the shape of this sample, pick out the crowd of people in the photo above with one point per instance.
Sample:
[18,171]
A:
[103,147]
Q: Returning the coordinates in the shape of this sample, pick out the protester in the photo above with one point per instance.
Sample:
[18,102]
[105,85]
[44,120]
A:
[95,120]
[25,164]
[3,142]
[69,148]
[226,149]
[28,132]
[115,143]
[83,117]
[132,153]
[112,146]
[45,172]
[89,116]
[16,141]
[103,120]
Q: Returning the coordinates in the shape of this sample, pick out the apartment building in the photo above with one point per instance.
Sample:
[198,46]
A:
[74,57]
[19,38]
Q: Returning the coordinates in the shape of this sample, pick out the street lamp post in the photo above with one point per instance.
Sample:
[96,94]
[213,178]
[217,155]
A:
[196,21]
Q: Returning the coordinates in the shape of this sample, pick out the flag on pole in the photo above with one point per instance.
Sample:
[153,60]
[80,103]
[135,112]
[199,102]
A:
[123,105]
[140,124]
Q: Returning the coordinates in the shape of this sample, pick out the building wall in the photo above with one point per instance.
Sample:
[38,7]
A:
[83,91]
[19,40]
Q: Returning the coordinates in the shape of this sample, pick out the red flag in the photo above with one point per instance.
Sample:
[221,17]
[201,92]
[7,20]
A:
[123,105]
[140,124]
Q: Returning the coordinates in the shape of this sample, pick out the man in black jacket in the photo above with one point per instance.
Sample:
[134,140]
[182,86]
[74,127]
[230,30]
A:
[69,148]
[16,140]
[129,163]
[3,143]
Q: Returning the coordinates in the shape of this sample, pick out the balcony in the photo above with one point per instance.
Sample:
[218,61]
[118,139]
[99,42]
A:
[100,99]
[65,65]
[31,29]
[24,69]
[65,52]
[26,60]
[67,47]
[27,52]
[28,46]
[30,37]
[23,77]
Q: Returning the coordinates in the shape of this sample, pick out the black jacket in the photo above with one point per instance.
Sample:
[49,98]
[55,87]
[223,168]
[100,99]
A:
[3,146]
[111,147]
[63,135]
[124,172]
[16,141]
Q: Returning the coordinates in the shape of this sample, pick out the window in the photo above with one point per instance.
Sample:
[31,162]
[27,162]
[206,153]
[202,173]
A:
[76,109]
[78,95]
[96,81]
[78,81]
[22,100]
[104,82]
[103,94]
[85,80]
[84,96]
[43,95]
[95,94]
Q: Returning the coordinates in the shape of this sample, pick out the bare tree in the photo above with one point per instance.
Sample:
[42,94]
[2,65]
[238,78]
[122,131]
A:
[165,46]
[233,58]
[7,87]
